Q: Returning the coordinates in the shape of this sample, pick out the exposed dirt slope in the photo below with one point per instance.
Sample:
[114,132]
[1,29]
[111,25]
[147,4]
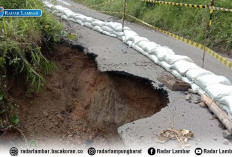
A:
[81,105]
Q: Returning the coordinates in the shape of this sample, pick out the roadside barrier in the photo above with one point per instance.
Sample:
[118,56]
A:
[189,5]
[197,45]
[214,54]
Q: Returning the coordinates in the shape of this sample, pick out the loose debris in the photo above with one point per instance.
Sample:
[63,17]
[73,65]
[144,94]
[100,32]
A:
[226,142]
[173,83]
[188,97]
[202,104]
[181,135]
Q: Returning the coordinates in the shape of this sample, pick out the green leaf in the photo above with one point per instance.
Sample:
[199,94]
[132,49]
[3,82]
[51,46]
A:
[71,36]
[32,143]
[14,120]
[1,94]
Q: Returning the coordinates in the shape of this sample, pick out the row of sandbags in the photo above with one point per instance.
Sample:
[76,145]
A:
[218,88]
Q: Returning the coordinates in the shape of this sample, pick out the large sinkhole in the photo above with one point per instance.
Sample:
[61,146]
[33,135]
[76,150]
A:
[81,105]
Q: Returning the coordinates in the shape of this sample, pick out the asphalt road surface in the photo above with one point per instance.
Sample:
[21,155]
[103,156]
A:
[113,55]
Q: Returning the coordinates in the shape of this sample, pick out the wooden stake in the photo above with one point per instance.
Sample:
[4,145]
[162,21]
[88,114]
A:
[207,29]
[222,116]
[124,14]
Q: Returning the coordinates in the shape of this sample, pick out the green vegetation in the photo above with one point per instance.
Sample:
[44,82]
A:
[21,57]
[21,40]
[183,21]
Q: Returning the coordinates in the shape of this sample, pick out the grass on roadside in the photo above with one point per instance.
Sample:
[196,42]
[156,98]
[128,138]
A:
[183,21]
[20,51]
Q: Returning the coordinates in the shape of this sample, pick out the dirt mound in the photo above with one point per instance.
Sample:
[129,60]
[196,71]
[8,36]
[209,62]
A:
[82,105]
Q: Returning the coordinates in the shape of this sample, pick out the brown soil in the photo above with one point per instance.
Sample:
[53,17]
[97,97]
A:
[81,105]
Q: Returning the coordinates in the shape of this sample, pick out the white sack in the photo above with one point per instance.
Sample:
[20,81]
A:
[68,13]
[59,14]
[226,104]
[183,66]
[139,39]
[129,43]
[97,28]
[130,35]
[154,58]
[80,17]
[206,80]
[151,47]
[109,34]
[195,88]
[119,34]
[176,74]
[217,91]
[171,59]
[165,65]
[162,51]
[48,4]
[89,19]
[119,28]
[64,17]
[72,19]
[113,25]
[193,74]
[139,49]
[88,24]
[107,29]
[79,22]
[148,46]
[98,23]
[58,8]
[54,12]
[185,79]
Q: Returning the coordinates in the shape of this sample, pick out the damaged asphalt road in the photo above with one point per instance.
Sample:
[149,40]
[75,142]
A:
[113,55]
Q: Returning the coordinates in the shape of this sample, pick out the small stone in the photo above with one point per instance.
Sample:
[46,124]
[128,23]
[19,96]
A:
[202,104]
[226,142]
[214,117]
[227,135]
[161,85]
[196,102]
[45,113]
[190,90]
[188,97]
[56,123]
[60,117]
[186,93]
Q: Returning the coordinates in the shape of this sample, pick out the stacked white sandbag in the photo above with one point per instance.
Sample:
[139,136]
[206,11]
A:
[211,79]
[216,87]
[193,74]
[166,66]
[176,74]
[183,66]
[171,59]
[226,104]
[218,91]
[196,88]
[163,51]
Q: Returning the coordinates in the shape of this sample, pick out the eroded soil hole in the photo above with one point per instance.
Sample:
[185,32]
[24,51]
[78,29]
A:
[82,105]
